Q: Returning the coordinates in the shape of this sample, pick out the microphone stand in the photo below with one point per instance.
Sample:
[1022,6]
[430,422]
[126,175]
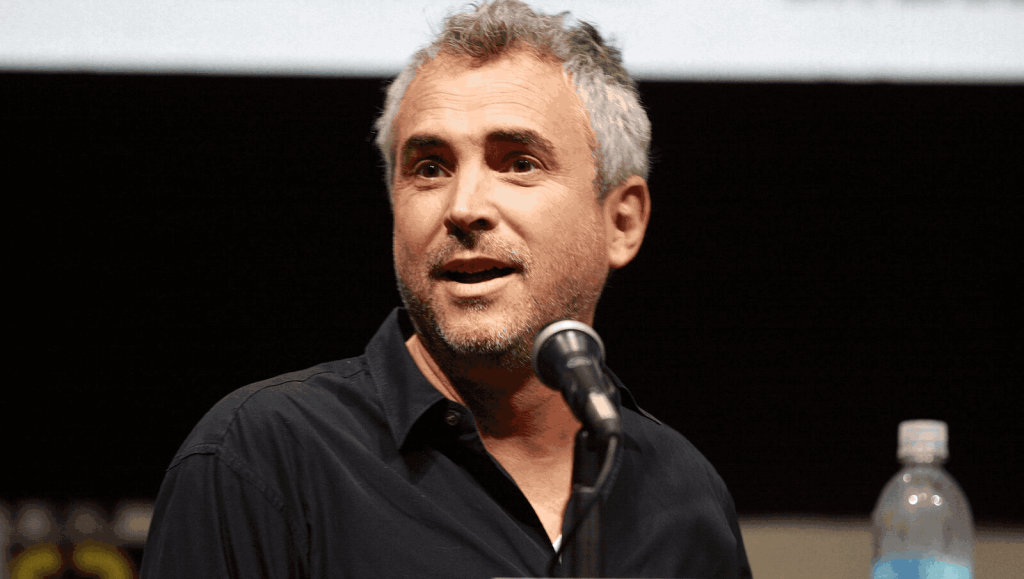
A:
[593,469]
[585,551]
[569,356]
[595,464]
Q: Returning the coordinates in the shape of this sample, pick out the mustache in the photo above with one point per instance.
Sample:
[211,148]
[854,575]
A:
[483,245]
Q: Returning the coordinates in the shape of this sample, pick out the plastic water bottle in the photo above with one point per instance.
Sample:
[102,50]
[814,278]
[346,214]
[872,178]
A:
[922,525]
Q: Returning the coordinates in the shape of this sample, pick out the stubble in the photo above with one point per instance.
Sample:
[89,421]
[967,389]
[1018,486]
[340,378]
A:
[507,345]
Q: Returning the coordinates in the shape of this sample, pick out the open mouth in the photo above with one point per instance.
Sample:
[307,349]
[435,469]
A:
[478,276]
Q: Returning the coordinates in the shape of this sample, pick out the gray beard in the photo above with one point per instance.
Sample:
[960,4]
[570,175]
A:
[508,350]
[510,347]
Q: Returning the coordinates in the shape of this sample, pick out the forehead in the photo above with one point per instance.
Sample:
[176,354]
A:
[454,96]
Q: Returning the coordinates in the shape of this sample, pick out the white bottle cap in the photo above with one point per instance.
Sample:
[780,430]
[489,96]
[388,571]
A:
[922,440]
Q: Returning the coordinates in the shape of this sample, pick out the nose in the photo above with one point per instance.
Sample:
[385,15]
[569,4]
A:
[472,207]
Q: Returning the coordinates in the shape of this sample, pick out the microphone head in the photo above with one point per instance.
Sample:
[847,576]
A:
[563,340]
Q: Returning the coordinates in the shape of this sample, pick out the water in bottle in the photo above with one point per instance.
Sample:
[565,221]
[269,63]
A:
[922,524]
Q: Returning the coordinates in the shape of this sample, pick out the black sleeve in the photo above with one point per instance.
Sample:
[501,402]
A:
[743,570]
[742,563]
[213,518]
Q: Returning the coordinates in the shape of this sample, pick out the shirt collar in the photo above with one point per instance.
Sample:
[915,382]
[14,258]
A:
[404,391]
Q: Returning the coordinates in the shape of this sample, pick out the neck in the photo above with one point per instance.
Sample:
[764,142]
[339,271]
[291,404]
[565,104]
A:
[511,406]
[526,426]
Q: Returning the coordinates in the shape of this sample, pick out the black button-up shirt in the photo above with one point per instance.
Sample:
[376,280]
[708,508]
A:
[360,468]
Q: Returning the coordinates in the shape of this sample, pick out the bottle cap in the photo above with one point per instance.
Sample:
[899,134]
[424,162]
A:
[922,440]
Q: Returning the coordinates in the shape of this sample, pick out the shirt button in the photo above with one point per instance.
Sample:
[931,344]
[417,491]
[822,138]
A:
[452,417]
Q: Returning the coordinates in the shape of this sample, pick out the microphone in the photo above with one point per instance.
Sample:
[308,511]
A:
[568,356]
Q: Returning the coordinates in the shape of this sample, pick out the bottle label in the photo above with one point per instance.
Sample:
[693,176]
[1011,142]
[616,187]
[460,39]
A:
[924,568]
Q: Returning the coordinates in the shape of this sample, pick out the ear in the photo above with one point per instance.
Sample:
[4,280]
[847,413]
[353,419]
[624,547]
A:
[627,209]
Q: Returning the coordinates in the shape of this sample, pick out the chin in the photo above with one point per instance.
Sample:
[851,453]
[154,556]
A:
[470,330]
[475,348]
[482,340]
[484,333]
[479,332]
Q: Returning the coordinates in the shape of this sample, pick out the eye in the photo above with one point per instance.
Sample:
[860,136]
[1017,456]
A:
[429,169]
[523,165]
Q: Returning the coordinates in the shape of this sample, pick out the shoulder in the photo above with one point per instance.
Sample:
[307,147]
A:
[285,405]
[657,437]
[668,494]
[657,447]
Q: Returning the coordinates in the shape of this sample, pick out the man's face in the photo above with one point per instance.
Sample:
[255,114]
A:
[497,226]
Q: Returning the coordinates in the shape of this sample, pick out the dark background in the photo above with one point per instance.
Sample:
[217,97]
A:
[823,261]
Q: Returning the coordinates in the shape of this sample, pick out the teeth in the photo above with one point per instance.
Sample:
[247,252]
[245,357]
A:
[478,276]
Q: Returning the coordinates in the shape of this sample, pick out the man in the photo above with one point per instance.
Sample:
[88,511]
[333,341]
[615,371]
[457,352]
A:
[516,155]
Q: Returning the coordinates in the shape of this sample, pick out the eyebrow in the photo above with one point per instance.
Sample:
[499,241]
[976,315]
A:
[524,137]
[416,142]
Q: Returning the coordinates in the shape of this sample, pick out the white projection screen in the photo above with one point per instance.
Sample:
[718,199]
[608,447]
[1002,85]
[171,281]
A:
[965,41]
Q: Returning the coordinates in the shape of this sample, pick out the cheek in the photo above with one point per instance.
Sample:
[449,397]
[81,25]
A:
[408,256]
[574,239]
[415,222]
[553,213]
[528,204]
[404,249]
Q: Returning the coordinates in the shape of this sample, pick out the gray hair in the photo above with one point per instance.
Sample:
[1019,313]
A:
[608,93]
